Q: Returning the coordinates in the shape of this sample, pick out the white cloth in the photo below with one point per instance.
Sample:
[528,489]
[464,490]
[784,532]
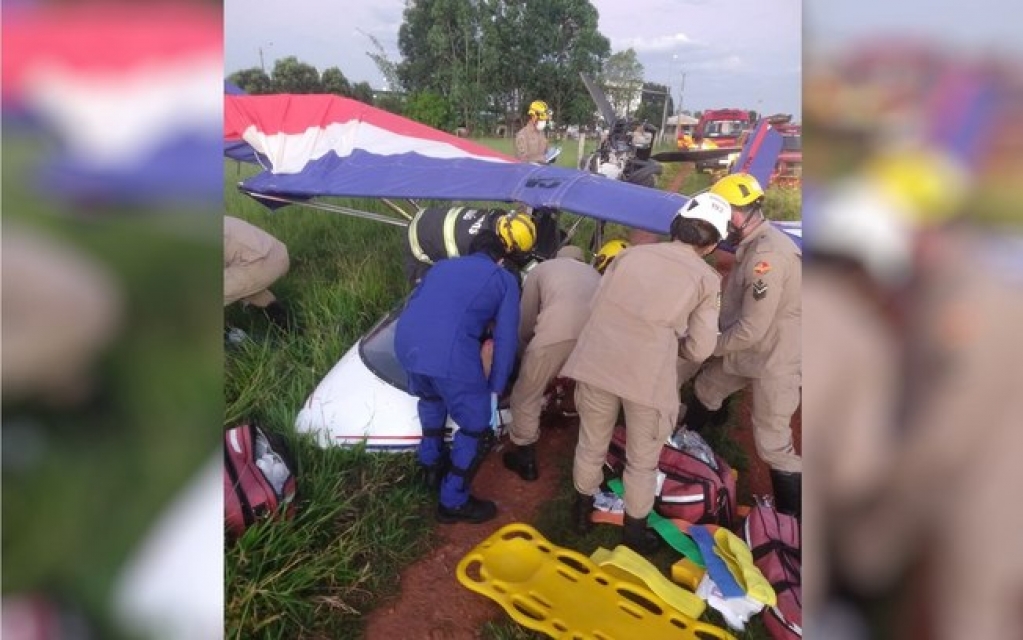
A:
[736,611]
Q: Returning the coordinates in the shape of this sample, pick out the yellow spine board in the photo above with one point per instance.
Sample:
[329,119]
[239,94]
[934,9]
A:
[628,565]
[564,594]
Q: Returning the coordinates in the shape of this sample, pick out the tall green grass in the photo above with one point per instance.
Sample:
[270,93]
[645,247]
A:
[361,518]
[86,474]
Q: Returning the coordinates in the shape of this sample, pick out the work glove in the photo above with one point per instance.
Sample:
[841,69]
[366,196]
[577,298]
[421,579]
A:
[495,417]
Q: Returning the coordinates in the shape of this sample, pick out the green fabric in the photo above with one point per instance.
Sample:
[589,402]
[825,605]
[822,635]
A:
[667,529]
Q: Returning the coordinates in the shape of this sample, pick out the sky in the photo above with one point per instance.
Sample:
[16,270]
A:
[977,27]
[727,53]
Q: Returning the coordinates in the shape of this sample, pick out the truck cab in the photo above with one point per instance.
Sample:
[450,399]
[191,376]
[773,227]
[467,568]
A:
[719,128]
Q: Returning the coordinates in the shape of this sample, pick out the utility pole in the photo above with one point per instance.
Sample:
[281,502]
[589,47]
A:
[261,64]
[664,113]
[681,93]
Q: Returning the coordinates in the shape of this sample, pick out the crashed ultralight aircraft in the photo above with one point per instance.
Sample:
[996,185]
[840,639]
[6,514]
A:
[316,146]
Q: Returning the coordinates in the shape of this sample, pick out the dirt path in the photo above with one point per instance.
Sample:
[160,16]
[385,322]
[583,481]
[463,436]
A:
[432,604]
[684,171]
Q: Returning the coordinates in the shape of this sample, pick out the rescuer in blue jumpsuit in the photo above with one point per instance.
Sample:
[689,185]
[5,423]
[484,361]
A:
[437,341]
[437,233]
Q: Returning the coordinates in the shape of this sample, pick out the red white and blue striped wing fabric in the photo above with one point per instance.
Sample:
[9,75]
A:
[129,91]
[322,145]
[292,131]
[325,145]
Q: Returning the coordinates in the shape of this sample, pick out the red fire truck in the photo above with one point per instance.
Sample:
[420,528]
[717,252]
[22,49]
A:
[720,128]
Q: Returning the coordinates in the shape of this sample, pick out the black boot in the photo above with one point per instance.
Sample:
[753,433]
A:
[474,511]
[581,510]
[280,316]
[522,461]
[699,416]
[431,475]
[788,492]
[639,538]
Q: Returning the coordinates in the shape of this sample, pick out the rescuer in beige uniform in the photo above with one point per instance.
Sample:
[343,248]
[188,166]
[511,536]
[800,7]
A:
[760,341]
[253,260]
[530,141]
[61,311]
[655,302]
[949,503]
[555,305]
[858,257]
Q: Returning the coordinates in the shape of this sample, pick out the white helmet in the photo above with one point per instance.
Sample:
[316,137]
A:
[861,223]
[709,207]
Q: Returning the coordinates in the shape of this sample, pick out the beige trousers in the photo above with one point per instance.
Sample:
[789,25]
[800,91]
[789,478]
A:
[61,310]
[539,366]
[775,400]
[647,429]
[250,282]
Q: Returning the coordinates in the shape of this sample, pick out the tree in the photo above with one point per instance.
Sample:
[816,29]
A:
[443,51]
[389,101]
[622,80]
[253,81]
[387,68]
[362,92]
[536,50]
[493,57]
[430,109]
[333,81]
[651,106]
[292,76]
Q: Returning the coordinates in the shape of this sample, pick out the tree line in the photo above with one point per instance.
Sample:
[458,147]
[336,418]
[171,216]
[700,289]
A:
[478,64]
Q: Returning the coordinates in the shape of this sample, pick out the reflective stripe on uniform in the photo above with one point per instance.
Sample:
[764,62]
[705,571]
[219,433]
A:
[413,239]
[450,242]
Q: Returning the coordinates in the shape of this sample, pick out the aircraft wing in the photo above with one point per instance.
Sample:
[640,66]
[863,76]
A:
[124,132]
[411,175]
[760,154]
[238,149]
[323,145]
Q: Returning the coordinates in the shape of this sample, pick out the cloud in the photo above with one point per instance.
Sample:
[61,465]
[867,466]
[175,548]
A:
[660,43]
[727,63]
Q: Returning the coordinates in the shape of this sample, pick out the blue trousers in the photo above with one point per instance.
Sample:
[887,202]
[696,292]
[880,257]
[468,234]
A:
[468,404]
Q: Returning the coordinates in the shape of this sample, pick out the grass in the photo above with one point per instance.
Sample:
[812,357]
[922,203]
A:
[83,481]
[360,518]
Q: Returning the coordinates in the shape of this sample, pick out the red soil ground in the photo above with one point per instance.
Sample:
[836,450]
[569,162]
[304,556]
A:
[433,605]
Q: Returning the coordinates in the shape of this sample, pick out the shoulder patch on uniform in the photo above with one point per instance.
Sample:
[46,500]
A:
[759,290]
[761,267]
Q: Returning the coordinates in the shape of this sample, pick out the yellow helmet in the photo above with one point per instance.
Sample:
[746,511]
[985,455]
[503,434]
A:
[517,231]
[602,259]
[739,189]
[930,185]
[540,109]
